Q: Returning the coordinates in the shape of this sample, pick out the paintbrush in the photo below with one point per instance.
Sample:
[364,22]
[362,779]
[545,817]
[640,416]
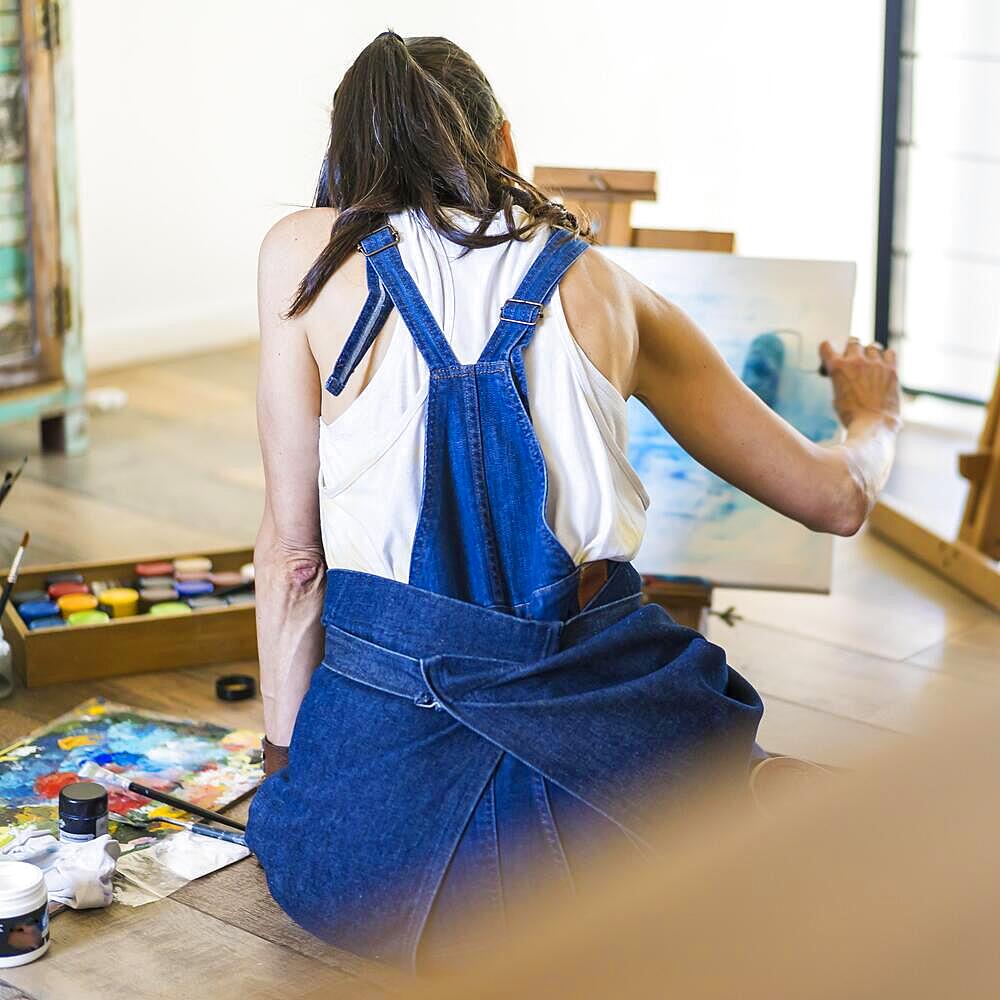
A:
[207,831]
[95,772]
[15,568]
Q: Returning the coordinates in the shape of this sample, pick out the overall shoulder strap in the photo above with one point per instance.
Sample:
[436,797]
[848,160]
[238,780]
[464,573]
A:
[520,314]
[389,284]
[374,314]
[381,250]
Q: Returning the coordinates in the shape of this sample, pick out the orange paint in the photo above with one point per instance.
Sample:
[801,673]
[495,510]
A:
[50,785]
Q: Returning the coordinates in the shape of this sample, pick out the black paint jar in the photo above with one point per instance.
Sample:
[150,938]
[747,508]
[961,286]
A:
[83,812]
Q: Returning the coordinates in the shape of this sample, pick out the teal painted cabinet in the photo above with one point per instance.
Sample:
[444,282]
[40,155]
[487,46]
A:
[42,370]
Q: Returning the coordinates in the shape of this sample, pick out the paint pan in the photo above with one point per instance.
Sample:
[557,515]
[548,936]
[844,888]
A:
[167,608]
[227,579]
[156,595]
[196,564]
[58,590]
[29,597]
[69,604]
[31,610]
[120,602]
[63,578]
[156,582]
[154,569]
[204,601]
[88,618]
[193,588]
[51,621]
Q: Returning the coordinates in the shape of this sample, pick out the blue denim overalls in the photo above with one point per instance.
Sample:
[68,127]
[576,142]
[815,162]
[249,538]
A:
[475,733]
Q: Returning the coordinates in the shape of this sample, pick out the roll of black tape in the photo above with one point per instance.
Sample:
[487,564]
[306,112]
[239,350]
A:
[235,687]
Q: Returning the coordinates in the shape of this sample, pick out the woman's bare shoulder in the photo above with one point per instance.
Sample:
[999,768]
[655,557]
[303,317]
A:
[297,237]
[598,301]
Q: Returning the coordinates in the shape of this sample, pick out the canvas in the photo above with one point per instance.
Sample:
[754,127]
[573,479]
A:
[767,317]
[202,763]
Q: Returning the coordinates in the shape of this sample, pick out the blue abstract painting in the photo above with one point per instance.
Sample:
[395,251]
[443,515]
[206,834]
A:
[767,317]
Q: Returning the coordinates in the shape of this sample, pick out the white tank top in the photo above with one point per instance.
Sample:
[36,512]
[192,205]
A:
[371,457]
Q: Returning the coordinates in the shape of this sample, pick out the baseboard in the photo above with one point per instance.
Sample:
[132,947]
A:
[108,346]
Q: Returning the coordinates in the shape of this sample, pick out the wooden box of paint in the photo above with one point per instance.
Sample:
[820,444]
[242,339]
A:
[129,645]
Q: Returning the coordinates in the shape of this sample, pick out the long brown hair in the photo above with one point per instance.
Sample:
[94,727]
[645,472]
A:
[416,125]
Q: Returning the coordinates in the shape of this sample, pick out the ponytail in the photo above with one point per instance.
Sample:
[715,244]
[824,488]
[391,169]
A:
[415,125]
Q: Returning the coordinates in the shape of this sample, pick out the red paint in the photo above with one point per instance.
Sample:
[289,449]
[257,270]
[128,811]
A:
[58,590]
[157,784]
[50,785]
[120,801]
[155,569]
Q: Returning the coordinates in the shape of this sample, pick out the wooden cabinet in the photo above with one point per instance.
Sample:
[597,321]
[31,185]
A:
[42,370]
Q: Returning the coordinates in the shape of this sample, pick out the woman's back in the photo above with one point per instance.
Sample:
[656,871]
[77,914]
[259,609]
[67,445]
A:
[485,710]
[372,454]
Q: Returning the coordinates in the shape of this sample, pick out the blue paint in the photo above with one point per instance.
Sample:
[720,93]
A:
[762,367]
[49,621]
[31,610]
[692,493]
[126,739]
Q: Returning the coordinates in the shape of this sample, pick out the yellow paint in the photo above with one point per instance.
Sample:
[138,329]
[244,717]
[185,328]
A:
[97,709]
[123,602]
[166,811]
[169,827]
[241,739]
[81,740]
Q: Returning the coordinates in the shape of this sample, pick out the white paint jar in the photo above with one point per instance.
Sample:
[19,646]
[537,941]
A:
[24,913]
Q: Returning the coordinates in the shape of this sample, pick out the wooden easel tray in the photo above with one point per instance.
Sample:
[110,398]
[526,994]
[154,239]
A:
[129,645]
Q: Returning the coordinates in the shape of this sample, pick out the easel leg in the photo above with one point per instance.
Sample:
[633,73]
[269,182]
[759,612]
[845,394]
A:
[66,432]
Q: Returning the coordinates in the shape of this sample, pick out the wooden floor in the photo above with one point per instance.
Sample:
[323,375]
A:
[178,468]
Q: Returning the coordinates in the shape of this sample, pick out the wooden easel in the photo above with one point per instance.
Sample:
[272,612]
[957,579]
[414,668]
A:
[606,197]
[969,562]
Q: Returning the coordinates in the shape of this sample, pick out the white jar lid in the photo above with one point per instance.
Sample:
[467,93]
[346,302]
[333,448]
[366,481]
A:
[22,888]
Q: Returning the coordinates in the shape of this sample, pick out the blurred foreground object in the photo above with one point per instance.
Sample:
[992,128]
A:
[883,883]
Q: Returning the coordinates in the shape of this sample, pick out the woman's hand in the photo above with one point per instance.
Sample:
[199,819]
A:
[865,383]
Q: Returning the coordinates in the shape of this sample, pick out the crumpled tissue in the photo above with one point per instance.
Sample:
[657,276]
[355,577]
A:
[76,875]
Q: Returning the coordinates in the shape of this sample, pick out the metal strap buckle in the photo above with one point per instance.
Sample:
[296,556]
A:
[395,240]
[540,306]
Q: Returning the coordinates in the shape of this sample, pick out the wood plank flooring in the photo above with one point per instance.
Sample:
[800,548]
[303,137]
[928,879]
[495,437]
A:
[842,676]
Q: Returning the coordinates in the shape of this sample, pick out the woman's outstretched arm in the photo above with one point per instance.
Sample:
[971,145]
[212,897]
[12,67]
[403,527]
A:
[288,555]
[651,349]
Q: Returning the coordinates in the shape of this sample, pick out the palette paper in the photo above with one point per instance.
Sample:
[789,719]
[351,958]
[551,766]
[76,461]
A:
[767,318]
[204,764]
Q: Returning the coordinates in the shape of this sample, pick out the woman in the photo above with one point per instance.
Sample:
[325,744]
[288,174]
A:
[492,701]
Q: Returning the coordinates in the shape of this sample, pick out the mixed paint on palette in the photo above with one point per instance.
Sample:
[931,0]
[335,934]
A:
[202,763]
[767,318]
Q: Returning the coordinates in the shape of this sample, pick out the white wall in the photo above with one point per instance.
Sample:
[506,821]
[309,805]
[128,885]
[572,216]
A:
[199,124]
